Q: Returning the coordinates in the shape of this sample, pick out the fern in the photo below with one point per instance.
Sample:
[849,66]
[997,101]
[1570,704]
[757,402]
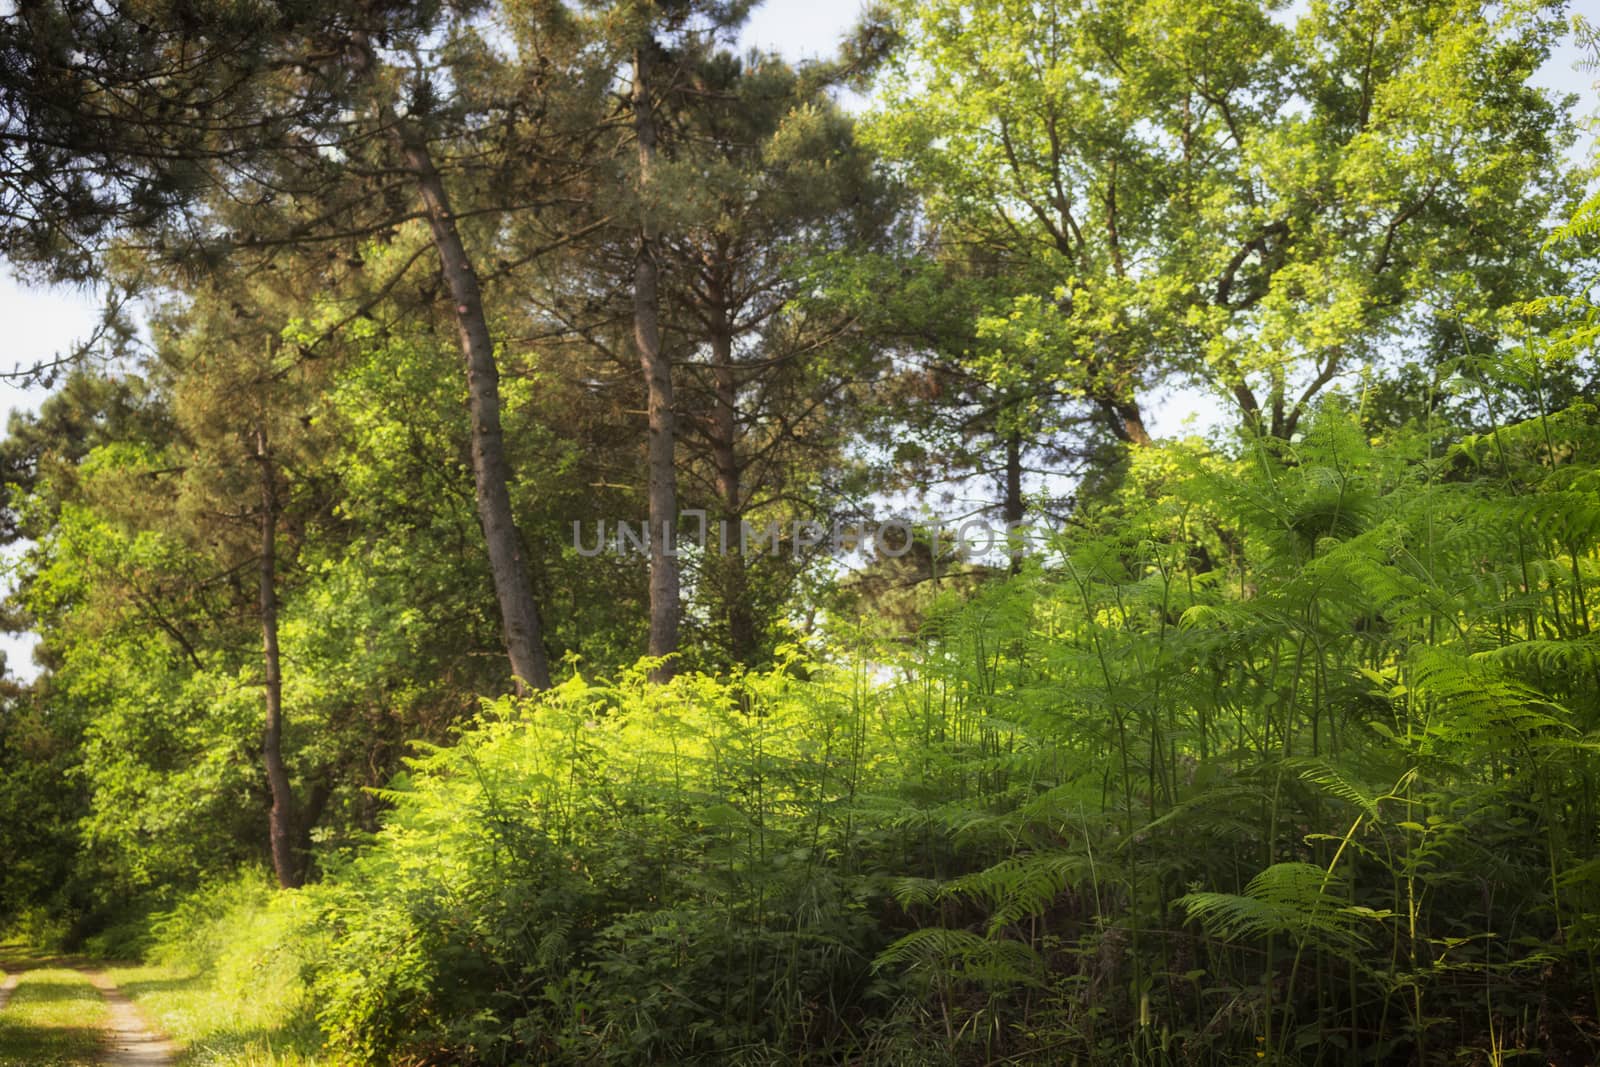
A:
[1335,782]
[987,962]
[1585,221]
[1299,900]
[1022,886]
[1476,706]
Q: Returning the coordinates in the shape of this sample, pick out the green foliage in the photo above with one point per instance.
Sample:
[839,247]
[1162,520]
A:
[1283,750]
[225,974]
[616,872]
[1252,199]
[40,806]
[1287,898]
[1330,700]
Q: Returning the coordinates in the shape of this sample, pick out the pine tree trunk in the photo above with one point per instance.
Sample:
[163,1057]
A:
[285,864]
[521,626]
[730,492]
[661,456]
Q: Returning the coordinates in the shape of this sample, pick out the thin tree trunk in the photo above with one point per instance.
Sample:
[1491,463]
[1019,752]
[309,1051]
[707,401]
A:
[308,814]
[730,491]
[661,455]
[1011,507]
[285,863]
[521,626]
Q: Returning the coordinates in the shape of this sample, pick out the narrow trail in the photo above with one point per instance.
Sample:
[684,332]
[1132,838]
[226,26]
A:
[128,1040]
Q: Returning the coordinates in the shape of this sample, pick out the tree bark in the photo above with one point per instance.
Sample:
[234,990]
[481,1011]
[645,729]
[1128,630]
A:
[521,626]
[1127,421]
[285,864]
[661,459]
[730,490]
[1011,507]
[307,814]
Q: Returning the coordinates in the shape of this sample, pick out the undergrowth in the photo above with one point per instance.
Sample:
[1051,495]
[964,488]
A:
[223,976]
[1285,755]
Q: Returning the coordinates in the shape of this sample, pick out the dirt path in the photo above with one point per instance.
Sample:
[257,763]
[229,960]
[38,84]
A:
[129,1041]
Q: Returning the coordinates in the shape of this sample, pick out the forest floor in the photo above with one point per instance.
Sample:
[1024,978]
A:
[66,1013]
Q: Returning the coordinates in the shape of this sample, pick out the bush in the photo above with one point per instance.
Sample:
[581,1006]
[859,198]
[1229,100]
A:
[39,927]
[618,873]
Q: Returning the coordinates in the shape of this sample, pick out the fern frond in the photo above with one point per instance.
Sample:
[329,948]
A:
[1230,798]
[1478,706]
[984,961]
[909,892]
[1585,221]
[1334,782]
[1548,655]
[1021,886]
[1295,899]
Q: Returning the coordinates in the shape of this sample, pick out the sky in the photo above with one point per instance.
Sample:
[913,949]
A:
[801,29]
[36,324]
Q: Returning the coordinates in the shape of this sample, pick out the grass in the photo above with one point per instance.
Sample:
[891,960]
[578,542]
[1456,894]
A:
[218,1026]
[54,1019]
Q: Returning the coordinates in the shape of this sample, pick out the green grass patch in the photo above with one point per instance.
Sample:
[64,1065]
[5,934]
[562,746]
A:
[223,976]
[54,1019]
[220,1026]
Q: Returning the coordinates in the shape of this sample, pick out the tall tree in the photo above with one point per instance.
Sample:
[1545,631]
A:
[240,397]
[519,613]
[1208,189]
[770,379]
[655,48]
[661,463]
[342,114]
[183,528]
[743,174]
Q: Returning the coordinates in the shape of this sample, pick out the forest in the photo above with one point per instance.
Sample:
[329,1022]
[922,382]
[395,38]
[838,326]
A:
[577,541]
